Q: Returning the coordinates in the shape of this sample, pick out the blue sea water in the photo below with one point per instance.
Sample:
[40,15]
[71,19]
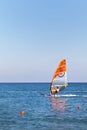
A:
[42,112]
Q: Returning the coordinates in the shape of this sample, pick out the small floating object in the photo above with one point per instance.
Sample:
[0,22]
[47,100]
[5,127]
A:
[22,112]
[78,107]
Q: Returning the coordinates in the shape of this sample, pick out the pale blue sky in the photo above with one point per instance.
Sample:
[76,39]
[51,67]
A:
[36,34]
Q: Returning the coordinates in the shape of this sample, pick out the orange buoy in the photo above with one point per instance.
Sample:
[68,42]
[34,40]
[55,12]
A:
[78,107]
[22,112]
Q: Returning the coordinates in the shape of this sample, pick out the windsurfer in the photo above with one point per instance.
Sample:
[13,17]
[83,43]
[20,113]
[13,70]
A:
[59,79]
[54,90]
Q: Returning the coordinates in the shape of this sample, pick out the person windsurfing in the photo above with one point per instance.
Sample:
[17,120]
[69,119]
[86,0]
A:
[54,90]
[59,79]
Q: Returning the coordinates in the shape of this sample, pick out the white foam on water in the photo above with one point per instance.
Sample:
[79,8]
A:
[72,95]
[68,95]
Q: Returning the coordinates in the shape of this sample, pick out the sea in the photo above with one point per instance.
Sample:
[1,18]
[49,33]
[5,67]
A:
[28,106]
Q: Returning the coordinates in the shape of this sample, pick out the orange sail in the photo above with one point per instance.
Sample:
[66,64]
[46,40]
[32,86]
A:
[61,68]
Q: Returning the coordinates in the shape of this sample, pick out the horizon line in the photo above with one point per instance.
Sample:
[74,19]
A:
[41,82]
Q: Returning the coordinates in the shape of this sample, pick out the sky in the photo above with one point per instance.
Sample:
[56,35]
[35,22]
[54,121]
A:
[36,34]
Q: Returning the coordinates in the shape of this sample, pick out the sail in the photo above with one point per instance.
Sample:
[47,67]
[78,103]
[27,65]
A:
[60,75]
